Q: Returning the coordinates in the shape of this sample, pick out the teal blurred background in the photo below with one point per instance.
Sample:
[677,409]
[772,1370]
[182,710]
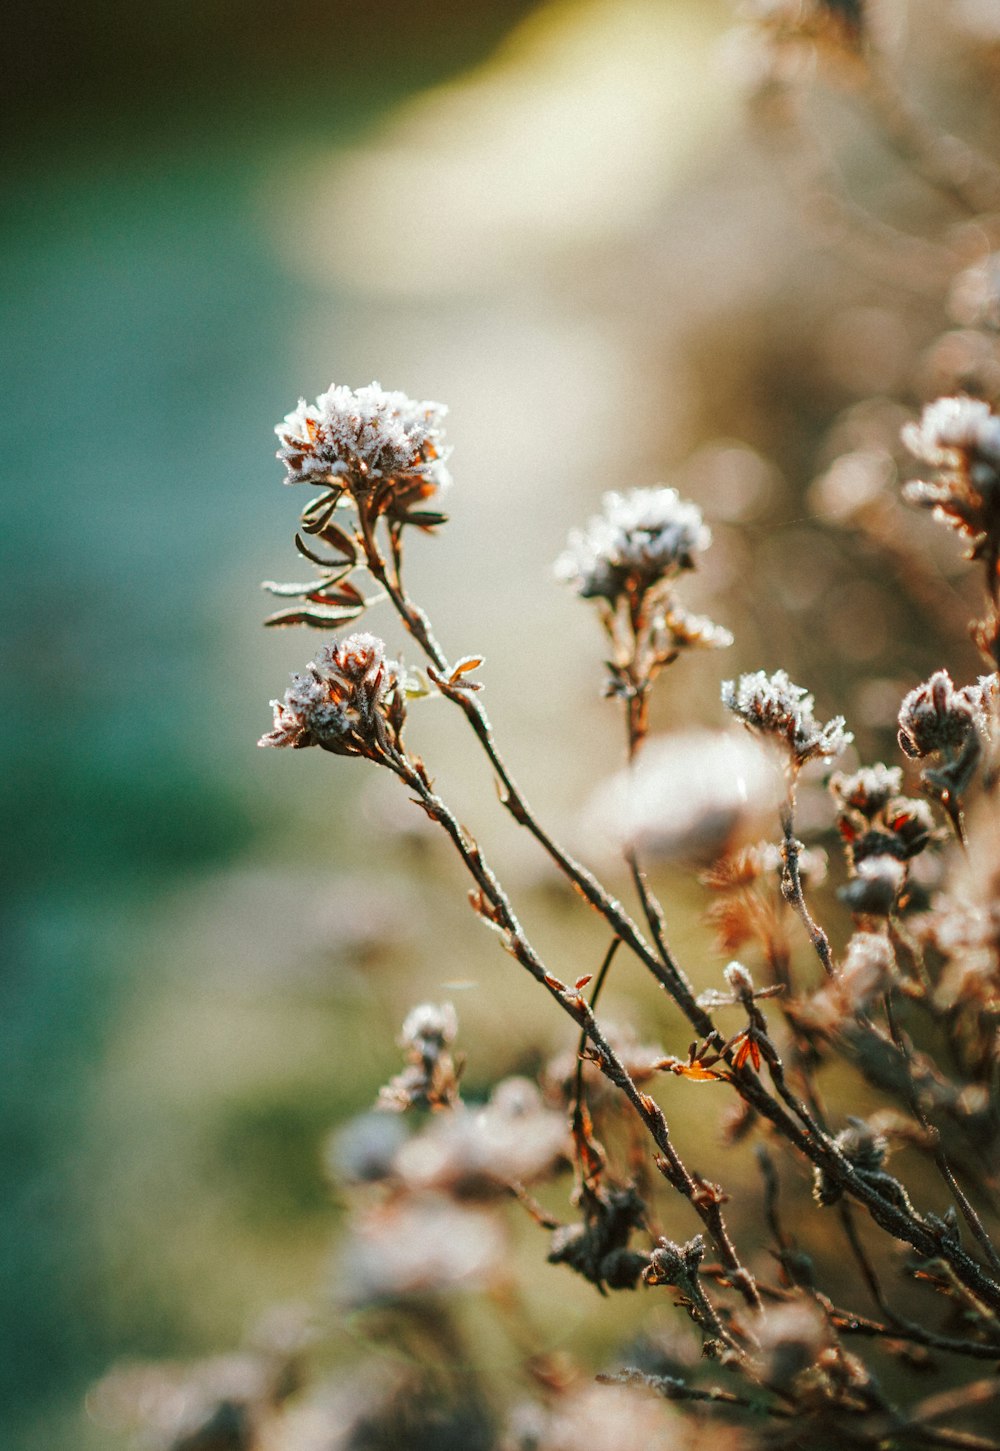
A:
[198,224]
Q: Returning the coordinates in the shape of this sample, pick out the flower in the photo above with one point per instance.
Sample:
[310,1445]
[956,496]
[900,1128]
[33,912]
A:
[430,1078]
[961,438]
[770,705]
[640,540]
[372,442]
[937,717]
[350,701]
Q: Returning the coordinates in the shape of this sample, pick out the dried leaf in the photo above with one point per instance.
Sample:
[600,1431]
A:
[312,590]
[304,549]
[339,539]
[318,617]
[695,1071]
[424,519]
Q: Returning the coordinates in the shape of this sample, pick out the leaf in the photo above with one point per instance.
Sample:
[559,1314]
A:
[318,617]
[298,591]
[303,548]
[696,1071]
[339,539]
[329,595]
[424,519]
[465,665]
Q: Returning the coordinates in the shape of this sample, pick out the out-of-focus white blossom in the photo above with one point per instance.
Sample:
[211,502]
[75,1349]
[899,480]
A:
[420,1244]
[640,539]
[482,1151]
[689,797]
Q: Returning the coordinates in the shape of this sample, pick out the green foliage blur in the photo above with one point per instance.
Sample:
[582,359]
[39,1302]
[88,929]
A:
[148,349]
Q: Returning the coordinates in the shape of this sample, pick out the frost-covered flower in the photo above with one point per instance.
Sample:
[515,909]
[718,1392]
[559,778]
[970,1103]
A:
[639,540]
[772,706]
[937,717]
[868,790]
[370,442]
[951,429]
[685,631]
[960,437]
[349,701]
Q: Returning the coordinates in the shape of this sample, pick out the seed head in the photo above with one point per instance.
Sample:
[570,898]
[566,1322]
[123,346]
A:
[960,437]
[348,701]
[365,440]
[772,706]
[937,717]
[640,539]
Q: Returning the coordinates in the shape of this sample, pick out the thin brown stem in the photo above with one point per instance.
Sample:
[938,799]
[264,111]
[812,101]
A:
[791,886]
[496,908]
[940,1157]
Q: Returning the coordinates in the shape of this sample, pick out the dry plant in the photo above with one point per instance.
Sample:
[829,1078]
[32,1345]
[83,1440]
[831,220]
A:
[871,1069]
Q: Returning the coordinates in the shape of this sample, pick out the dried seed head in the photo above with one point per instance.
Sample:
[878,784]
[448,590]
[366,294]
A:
[641,539]
[875,887]
[430,1078]
[771,706]
[960,437]
[366,439]
[954,432]
[739,980]
[937,717]
[867,969]
[685,631]
[350,701]
[429,1027]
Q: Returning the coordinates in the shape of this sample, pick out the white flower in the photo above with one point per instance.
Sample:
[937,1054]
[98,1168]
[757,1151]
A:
[640,539]
[341,702]
[950,429]
[772,705]
[366,438]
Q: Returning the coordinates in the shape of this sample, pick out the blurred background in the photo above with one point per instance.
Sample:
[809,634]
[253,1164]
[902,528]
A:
[564,221]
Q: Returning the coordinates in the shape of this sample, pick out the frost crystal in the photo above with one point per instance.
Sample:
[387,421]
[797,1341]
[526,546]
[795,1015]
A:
[773,706]
[365,438]
[640,539]
[342,702]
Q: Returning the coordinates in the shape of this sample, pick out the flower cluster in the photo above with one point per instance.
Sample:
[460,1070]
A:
[881,830]
[430,1078]
[960,437]
[641,540]
[937,719]
[771,706]
[350,700]
[374,443]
